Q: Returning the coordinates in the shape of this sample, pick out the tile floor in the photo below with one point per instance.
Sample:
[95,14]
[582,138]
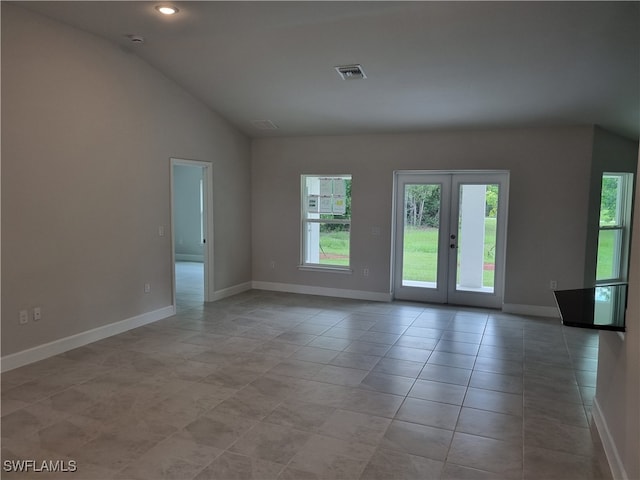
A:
[268,385]
[189,284]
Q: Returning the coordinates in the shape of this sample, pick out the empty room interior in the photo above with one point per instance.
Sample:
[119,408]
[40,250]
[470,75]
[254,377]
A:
[320,240]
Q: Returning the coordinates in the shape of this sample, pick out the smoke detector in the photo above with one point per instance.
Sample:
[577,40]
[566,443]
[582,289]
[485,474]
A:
[350,72]
[264,125]
[135,38]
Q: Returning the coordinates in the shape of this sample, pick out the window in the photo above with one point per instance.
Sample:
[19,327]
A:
[613,235]
[326,221]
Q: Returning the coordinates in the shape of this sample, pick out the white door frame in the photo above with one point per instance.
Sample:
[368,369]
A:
[207,187]
[446,291]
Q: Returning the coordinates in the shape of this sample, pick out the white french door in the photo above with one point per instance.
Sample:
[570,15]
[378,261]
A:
[450,237]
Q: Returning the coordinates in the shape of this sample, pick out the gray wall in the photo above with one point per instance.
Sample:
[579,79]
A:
[618,389]
[549,193]
[186,211]
[87,133]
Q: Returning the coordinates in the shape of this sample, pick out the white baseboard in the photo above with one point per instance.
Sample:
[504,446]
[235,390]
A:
[615,463]
[227,292]
[25,357]
[187,257]
[531,310]
[322,291]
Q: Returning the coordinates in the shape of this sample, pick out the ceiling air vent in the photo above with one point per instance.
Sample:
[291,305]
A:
[350,72]
[264,125]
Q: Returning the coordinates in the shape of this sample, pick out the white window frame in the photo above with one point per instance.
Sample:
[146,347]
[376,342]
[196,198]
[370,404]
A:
[306,224]
[622,225]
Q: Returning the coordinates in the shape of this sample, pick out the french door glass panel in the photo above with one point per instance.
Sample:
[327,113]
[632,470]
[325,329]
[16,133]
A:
[476,242]
[421,226]
[421,229]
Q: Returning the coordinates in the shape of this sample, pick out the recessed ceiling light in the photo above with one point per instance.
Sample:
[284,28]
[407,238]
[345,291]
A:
[167,9]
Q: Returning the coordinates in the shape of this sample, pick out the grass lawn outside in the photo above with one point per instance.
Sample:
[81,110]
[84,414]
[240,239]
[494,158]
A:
[334,248]
[605,263]
[420,252]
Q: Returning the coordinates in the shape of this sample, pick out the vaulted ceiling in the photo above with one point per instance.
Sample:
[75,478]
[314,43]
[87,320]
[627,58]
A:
[429,65]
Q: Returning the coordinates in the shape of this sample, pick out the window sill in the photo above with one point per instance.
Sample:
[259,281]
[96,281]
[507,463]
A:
[325,268]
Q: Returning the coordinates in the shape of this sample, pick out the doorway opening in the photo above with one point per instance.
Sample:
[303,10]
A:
[191,202]
[450,237]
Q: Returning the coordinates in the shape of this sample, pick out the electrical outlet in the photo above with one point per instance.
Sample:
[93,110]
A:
[272,264]
[37,314]
[24,317]
[553,284]
[365,271]
[147,288]
[161,231]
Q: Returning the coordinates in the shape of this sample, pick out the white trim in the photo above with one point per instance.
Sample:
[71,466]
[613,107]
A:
[448,172]
[187,257]
[322,291]
[531,310]
[18,359]
[615,463]
[208,247]
[234,290]
[325,268]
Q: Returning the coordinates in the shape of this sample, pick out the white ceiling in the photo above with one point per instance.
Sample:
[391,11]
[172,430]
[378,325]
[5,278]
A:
[430,65]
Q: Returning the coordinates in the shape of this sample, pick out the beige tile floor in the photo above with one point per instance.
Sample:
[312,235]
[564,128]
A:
[268,385]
